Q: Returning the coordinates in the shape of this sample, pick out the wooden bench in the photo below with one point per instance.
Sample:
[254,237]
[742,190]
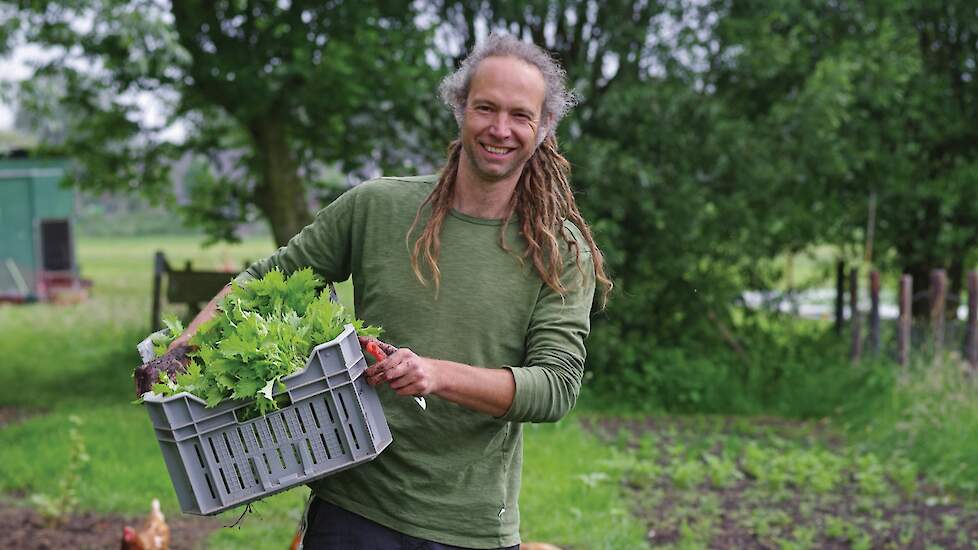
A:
[184,286]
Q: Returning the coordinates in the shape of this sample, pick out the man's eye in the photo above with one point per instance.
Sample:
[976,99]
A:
[483,108]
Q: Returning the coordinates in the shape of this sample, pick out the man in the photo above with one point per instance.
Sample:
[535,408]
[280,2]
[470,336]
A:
[483,279]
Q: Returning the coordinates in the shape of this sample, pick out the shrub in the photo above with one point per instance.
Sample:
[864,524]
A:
[790,367]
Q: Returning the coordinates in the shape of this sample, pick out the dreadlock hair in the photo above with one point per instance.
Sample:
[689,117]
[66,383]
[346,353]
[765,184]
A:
[543,200]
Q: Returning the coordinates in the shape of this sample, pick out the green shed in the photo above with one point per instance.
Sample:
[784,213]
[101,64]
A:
[37,254]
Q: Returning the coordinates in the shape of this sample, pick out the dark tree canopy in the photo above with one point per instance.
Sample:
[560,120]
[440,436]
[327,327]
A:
[712,137]
[272,95]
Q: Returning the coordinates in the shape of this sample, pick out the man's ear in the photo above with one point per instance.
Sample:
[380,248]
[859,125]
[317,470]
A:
[546,123]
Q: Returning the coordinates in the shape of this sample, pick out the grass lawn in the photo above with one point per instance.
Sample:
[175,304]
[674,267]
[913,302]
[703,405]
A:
[64,361]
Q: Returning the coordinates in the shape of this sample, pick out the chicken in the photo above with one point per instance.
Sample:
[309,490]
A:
[153,535]
[173,363]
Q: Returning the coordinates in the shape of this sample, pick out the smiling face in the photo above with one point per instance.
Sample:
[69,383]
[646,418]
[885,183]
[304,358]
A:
[502,118]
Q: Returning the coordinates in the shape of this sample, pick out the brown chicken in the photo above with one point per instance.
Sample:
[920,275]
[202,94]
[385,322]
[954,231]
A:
[154,534]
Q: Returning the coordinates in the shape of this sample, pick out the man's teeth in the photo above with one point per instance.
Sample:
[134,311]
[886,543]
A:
[496,150]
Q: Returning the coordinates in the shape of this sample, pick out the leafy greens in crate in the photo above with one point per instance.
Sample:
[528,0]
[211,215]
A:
[264,331]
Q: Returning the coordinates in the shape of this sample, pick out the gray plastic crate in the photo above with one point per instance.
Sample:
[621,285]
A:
[217,462]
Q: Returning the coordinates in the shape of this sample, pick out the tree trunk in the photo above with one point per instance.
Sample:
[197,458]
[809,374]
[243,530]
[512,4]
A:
[280,194]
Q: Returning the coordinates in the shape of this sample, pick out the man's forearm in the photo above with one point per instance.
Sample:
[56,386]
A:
[489,391]
[206,314]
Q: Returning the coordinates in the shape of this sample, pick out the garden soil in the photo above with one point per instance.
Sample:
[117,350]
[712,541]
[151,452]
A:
[924,520]
[13,415]
[24,529]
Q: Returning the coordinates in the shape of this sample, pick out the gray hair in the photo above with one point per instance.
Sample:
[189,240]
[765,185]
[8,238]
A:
[559,100]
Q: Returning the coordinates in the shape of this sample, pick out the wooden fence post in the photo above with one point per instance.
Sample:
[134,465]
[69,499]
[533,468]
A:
[906,315]
[971,345]
[159,267]
[840,290]
[938,296]
[854,320]
[874,312]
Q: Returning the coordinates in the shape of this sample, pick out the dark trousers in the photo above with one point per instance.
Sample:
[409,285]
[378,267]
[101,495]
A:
[330,527]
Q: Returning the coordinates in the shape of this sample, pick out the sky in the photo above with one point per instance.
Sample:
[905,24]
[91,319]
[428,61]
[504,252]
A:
[17,67]
[14,68]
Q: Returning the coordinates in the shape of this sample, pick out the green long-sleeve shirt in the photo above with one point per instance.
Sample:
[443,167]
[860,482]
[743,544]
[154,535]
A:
[451,475]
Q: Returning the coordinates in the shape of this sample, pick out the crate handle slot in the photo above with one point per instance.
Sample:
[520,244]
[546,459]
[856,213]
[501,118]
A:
[314,416]
[210,485]
[339,440]
[217,459]
[241,481]
[329,456]
[254,428]
[227,443]
[199,456]
[225,480]
[311,452]
[244,444]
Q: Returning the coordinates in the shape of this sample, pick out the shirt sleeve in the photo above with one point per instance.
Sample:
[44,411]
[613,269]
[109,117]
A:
[324,245]
[549,381]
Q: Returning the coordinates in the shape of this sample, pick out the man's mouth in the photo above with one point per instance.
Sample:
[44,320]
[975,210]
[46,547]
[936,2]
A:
[495,150]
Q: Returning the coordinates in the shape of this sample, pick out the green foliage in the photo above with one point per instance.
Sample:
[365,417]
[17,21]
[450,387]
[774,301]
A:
[791,367]
[782,484]
[722,471]
[57,507]
[753,131]
[563,463]
[264,331]
[268,112]
[140,221]
[174,327]
[929,418]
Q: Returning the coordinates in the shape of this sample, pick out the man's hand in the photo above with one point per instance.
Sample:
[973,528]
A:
[407,373]
[179,342]
[489,391]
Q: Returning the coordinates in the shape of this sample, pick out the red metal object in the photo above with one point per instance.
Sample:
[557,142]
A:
[50,286]
[15,298]
[374,350]
[61,286]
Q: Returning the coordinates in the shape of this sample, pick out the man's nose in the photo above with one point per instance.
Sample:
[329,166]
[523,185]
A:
[500,127]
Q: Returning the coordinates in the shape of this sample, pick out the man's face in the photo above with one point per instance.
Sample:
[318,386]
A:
[502,118]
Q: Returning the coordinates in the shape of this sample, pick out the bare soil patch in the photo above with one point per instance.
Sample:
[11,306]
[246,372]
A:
[24,529]
[12,415]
